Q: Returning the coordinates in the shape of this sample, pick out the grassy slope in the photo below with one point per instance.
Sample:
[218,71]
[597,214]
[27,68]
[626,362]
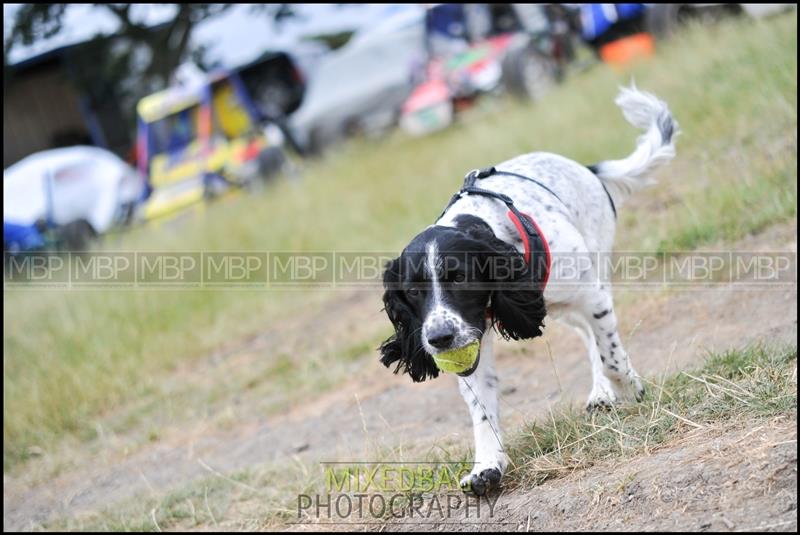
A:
[756,382]
[70,356]
[739,386]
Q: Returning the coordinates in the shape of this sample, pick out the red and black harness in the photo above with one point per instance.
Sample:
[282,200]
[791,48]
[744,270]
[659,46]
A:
[535,244]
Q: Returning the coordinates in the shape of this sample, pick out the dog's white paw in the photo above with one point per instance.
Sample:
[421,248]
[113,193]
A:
[608,392]
[635,384]
[603,395]
[485,476]
[629,387]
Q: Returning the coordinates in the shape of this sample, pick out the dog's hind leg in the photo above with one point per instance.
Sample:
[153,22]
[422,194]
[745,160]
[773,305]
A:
[479,391]
[598,311]
[602,394]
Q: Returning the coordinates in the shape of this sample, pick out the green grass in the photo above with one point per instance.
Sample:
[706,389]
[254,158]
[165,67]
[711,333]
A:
[74,358]
[763,196]
[754,383]
[736,387]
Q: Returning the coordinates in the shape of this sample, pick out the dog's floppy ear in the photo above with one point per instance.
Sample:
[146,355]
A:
[517,304]
[404,347]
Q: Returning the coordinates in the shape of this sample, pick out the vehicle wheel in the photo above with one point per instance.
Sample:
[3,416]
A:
[291,140]
[76,236]
[662,20]
[528,73]
[214,184]
[316,143]
[270,162]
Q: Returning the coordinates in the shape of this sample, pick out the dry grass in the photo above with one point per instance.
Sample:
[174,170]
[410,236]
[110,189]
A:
[755,384]
[72,358]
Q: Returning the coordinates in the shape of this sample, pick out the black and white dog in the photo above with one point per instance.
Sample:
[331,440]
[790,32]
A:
[473,272]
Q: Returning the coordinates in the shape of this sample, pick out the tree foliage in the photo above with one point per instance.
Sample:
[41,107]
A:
[151,53]
[138,59]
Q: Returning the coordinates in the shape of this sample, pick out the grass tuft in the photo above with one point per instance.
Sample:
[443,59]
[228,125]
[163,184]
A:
[740,385]
[755,382]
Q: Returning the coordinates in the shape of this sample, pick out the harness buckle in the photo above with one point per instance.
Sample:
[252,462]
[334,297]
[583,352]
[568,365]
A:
[470,178]
[485,172]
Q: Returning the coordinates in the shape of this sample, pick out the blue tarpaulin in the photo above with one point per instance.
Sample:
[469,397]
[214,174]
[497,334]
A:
[596,19]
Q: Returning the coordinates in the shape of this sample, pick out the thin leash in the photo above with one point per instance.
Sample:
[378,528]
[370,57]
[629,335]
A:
[491,426]
[527,224]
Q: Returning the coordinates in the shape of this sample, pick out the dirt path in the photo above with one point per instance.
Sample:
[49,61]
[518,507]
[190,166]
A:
[376,410]
[739,478]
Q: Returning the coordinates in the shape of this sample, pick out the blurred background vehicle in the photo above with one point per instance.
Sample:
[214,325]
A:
[276,84]
[361,86]
[204,136]
[475,49]
[619,33]
[543,48]
[199,135]
[62,198]
[486,48]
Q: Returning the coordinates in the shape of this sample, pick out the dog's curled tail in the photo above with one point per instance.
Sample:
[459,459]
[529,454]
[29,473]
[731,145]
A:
[656,147]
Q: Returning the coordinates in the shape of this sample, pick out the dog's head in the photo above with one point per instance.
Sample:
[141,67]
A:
[447,287]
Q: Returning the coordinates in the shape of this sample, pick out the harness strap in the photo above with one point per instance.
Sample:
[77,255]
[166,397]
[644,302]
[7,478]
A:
[489,171]
[492,171]
[526,241]
[593,169]
[526,226]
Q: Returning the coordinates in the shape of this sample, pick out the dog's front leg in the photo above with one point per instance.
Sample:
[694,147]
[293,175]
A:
[480,393]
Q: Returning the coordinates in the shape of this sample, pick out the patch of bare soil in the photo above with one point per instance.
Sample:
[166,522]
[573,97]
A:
[737,478]
[376,411]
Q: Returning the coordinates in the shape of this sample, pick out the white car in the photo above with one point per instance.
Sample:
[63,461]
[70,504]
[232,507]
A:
[76,191]
[362,86]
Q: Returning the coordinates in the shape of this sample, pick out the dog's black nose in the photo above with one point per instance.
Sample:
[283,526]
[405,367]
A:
[441,339]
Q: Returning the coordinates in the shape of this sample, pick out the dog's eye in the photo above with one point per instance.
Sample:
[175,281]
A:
[460,277]
[413,291]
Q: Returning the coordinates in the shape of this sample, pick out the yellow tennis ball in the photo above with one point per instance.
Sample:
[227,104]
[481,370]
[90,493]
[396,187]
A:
[458,360]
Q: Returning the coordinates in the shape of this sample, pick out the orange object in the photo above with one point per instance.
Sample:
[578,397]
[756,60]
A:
[622,52]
